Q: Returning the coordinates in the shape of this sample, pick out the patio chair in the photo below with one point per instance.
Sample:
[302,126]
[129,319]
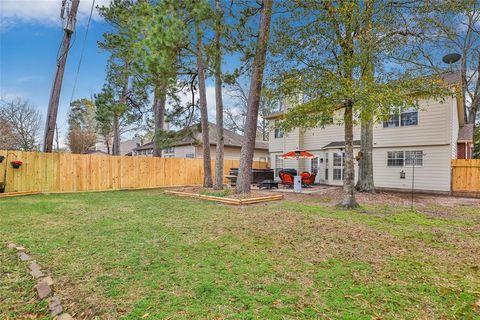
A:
[287,179]
[308,179]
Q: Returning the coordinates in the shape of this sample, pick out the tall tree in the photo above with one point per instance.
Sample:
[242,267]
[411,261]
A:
[120,42]
[218,96]
[258,67]
[207,164]
[200,10]
[81,135]
[162,35]
[22,125]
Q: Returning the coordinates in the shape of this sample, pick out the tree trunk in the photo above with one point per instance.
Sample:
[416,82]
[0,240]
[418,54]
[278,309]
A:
[107,144]
[258,67]
[348,201]
[218,98]
[207,164]
[159,102]
[116,136]
[365,165]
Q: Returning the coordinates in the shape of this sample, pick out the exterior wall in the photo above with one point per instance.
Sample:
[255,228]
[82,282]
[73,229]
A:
[233,153]
[435,134]
[183,151]
[434,175]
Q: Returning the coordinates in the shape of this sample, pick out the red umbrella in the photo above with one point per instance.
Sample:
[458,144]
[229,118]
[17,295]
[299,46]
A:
[298,154]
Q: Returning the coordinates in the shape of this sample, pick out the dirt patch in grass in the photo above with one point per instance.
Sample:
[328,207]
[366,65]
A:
[430,204]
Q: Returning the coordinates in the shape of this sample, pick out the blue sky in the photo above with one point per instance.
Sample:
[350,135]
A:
[30,35]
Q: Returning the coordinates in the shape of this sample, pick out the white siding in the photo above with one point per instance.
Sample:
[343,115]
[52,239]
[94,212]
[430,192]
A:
[435,134]
[433,175]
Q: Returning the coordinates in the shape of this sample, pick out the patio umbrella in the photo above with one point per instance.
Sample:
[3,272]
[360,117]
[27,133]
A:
[298,154]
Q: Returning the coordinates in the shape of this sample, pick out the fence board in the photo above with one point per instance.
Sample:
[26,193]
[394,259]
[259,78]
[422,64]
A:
[466,175]
[64,172]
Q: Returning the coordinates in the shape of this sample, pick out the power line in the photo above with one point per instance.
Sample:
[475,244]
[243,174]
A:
[82,52]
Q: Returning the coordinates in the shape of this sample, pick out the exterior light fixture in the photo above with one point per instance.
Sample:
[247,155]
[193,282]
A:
[402,174]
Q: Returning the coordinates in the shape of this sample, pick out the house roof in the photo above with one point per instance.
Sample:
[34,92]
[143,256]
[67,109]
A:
[231,139]
[340,144]
[465,133]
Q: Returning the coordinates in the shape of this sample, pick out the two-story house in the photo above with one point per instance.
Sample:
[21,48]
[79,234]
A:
[429,134]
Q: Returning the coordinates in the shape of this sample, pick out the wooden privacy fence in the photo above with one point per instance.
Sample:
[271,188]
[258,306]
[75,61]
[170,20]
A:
[466,176]
[64,172]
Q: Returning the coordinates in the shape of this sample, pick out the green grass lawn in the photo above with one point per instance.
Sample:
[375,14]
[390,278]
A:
[145,254]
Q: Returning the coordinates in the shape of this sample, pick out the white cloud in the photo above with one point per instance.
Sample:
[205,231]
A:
[45,12]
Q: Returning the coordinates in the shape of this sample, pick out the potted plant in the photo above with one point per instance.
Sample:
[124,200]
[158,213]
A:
[16,164]
[2,158]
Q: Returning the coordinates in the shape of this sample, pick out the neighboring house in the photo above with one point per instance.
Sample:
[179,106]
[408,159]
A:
[434,134]
[95,152]
[465,142]
[191,147]
[126,147]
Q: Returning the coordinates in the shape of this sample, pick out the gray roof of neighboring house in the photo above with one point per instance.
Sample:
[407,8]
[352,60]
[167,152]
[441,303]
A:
[465,133]
[340,144]
[231,139]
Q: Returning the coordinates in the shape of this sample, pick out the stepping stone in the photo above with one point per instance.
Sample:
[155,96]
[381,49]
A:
[43,290]
[36,273]
[11,246]
[55,306]
[65,316]
[48,280]
[23,256]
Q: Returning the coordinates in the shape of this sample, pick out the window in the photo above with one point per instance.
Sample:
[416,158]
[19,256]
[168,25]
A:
[190,155]
[338,164]
[278,133]
[413,157]
[395,159]
[278,164]
[408,117]
[404,158]
[314,165]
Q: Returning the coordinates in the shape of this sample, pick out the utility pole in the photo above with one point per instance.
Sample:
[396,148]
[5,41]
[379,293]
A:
[57,82]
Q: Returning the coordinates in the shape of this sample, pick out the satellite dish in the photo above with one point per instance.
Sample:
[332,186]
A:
[451,58]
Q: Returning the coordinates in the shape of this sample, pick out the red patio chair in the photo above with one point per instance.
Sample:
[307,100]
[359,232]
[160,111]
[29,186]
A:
[287,179]
[308,179]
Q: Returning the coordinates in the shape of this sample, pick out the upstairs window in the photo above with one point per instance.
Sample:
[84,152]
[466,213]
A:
[278,133]
[408,117]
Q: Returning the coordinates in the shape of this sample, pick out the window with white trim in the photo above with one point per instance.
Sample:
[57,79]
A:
[314,165]
[278,132]
[407,117]
[338,165]
[395,158]
[190,155]
[404,158]
[278,164]
[413,157]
